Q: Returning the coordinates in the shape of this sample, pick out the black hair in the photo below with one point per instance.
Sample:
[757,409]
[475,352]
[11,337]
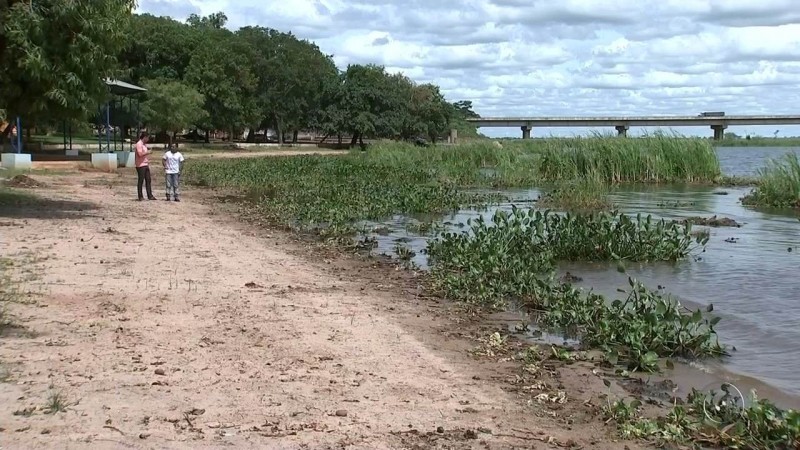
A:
[143,135]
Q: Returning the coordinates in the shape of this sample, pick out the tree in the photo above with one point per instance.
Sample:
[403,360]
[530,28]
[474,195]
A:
[159,47]
[55,55]
[172,106]
[220,70]
[463,108]
[429,114]
[368,103]
[291,77]
[216,20]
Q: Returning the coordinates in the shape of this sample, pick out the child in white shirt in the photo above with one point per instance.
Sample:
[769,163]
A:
[173,163]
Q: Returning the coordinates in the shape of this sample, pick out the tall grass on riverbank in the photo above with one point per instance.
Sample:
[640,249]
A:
[586,195]
[779,184]
[656,158]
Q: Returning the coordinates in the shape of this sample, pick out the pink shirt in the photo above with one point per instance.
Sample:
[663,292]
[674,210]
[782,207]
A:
[142,159]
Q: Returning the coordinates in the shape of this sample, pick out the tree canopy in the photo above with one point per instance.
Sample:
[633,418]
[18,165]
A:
[54,56]
[172,105]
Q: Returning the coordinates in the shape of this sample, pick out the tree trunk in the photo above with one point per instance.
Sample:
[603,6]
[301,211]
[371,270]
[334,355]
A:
[294,136]
[207,140]
[340,139]
[361,143]
[324,138]
[251,136]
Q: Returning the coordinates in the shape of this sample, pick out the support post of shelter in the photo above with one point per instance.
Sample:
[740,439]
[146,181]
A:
[16,160]
[719,131]
[16,142]
[526,132]
[67,133]
[622,130]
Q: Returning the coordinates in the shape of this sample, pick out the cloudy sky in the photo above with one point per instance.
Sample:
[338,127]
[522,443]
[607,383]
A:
[558,57]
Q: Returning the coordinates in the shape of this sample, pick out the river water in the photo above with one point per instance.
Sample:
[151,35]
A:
[750,274]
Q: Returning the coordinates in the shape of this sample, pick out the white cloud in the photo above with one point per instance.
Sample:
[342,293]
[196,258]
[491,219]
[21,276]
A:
[547,58]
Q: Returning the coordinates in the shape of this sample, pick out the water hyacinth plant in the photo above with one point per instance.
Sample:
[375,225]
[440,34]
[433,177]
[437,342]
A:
[322,193]
[635,331]
[711,420]
[570,237]
[510,260]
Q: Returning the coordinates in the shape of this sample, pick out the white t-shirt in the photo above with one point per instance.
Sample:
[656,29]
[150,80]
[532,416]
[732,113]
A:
[172,162]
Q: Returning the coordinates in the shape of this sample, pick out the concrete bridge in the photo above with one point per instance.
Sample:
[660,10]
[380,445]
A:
[717,121]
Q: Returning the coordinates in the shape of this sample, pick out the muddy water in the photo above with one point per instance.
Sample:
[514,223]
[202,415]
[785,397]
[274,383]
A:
[750,274]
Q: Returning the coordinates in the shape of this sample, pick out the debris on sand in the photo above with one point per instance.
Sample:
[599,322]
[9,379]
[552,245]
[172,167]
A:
[23,181]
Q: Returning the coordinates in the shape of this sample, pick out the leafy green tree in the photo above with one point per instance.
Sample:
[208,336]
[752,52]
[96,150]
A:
[462,110]
[220,70]
[429,114]
[291,77]
[55,55]
[172,106]
[216,20]
[368,103]
[158,47]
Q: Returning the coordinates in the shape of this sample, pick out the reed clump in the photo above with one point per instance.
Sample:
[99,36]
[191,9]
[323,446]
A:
[779,184]
[656,158]
[585,195]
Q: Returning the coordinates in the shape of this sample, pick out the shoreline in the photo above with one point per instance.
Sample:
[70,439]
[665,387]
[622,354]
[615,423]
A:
[446,328]
[250,336]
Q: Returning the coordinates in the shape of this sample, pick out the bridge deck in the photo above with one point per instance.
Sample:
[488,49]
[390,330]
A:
[501,122]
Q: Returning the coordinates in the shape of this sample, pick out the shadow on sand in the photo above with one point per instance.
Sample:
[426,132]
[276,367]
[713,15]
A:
[18,204]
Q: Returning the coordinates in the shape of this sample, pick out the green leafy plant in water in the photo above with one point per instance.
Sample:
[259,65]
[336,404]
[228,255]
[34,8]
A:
[718,420]
[533,239]
[330,195]
[510,261]
[405,254]
[636,331]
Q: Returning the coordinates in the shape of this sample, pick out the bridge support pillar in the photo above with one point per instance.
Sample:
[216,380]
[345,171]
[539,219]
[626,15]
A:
[526,132]
[719,131]
[622,130]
